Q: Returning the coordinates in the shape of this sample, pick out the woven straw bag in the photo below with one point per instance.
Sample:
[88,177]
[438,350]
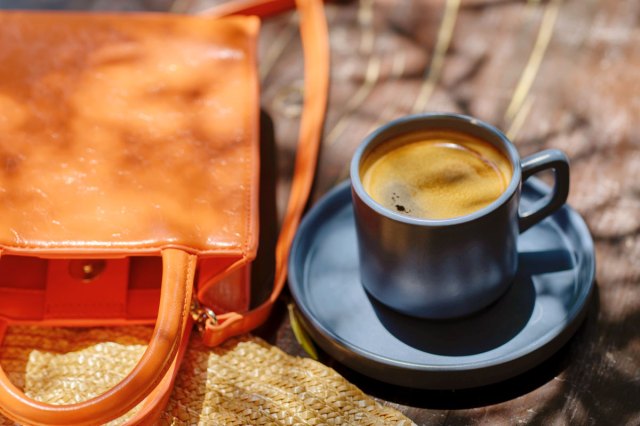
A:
[244,381]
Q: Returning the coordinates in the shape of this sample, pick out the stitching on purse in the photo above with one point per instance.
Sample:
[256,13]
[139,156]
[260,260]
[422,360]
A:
[250,151]
[142,249]
[87,304]
[105,246]
[247,201]
[81,310]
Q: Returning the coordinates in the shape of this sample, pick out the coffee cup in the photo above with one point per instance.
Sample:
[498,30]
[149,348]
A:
[436,204]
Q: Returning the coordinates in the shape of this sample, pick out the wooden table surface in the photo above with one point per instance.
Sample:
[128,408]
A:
[552,74]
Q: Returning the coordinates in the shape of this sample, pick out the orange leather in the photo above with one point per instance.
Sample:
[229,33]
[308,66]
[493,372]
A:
[85,174]
[153,406]
[173,316]
[123,137]
[315,41]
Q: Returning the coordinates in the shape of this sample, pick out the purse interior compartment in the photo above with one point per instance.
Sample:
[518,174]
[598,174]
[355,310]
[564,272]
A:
[80,291]
[88,292]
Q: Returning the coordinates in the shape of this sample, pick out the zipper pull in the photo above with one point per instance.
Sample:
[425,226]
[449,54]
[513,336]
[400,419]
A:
[202,314]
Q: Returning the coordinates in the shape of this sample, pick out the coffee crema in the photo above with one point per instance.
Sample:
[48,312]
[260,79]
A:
[435,174]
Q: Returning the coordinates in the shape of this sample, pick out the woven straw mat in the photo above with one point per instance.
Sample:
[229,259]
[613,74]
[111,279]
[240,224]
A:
[246,381]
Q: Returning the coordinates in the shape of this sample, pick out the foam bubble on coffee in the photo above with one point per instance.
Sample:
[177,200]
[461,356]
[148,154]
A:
[435,174]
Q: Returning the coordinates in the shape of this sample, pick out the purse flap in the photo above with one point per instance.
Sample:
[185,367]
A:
[127,134]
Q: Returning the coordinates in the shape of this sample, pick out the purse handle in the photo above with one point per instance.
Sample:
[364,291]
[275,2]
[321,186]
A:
[178,269]
[315,44]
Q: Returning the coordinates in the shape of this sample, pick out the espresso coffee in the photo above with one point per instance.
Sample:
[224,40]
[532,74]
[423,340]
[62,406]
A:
[435,174]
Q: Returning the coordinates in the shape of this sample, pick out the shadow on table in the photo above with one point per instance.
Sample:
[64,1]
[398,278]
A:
[263,267]
[480,396]
[276,333]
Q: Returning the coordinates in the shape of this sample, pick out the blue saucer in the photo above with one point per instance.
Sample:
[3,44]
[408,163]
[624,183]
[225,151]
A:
[536,316]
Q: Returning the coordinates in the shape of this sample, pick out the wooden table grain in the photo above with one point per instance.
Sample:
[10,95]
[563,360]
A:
[552,74]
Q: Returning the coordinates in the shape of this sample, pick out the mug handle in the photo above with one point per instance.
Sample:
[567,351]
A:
[548,159]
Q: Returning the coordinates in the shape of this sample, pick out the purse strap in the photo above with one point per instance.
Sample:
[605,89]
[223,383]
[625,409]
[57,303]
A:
[159,357]
[315,43]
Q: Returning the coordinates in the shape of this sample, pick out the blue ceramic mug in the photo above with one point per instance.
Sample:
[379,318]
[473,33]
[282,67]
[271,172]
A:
[448,268]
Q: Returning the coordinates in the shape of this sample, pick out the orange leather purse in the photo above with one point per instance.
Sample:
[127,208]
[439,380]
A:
[129,164]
